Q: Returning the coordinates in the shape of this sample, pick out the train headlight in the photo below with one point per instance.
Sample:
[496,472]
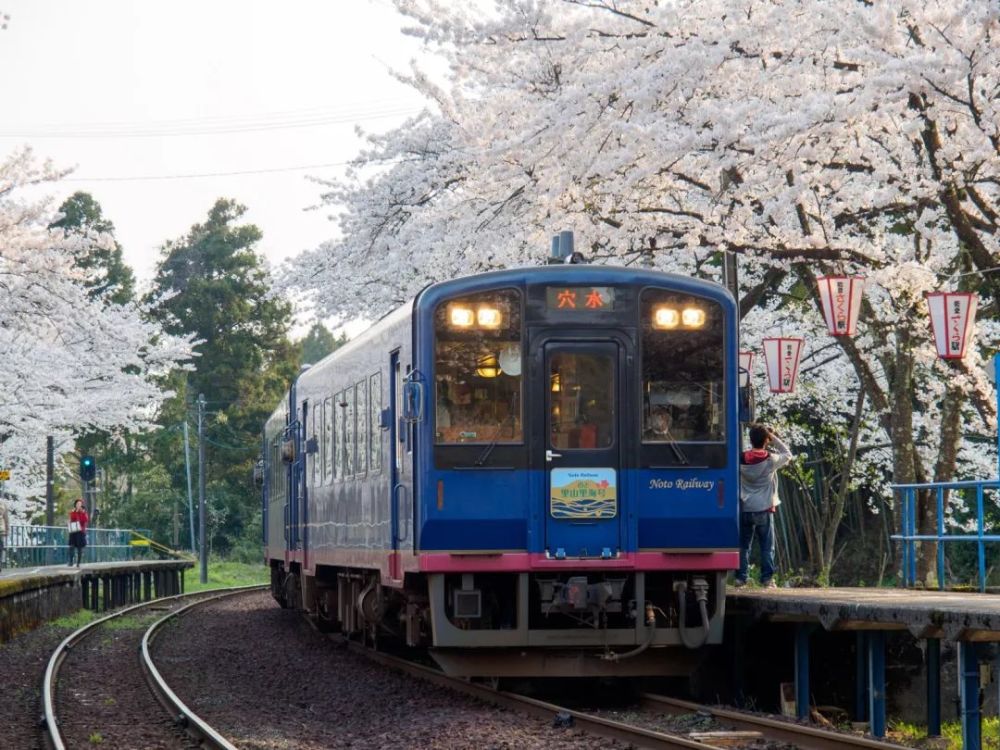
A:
[489,317]
[693,317]
[666,317]
[461,317]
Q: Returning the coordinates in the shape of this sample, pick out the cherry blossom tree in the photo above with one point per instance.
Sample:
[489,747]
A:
[805,138]
[73,360]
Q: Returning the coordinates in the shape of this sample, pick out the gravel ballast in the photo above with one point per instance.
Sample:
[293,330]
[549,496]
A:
[266,680]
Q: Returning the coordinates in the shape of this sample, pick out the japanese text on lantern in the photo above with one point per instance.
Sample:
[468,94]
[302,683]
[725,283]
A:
[787,363]
[955,321]
[840,309]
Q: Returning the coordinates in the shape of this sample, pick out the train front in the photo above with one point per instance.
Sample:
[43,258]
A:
[578,470]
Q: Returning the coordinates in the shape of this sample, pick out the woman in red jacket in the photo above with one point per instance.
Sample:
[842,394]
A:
[78,520]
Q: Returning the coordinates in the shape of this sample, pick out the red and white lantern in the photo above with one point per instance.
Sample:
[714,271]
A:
[952,316]
[746,367]
[781,357]
[841,298]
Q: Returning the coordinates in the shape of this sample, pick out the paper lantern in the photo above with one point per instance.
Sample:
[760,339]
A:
[952,316]
[841,298]
[781,357]
[746,366]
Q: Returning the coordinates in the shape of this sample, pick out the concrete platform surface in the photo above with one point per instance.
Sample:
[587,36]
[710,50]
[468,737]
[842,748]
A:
[135,566]
[31,596]
[954,615]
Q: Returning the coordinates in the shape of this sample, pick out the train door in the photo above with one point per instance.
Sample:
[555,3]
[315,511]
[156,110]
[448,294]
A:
[583,428]
[299,478]
[395,463]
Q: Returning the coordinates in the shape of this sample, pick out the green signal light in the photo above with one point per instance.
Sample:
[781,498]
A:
[88,468]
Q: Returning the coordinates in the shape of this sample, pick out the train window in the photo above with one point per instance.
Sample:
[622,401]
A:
[682,368]
[374,420]
[311,457]
[320,456]
[341,439]
[477,371]
[581,401]
[349,432]
[327,439]
[314,460]
[398,450]
[361,389]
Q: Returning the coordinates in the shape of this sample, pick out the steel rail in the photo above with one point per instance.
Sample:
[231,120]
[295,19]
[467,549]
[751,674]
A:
[808,738]
[632,735]
[185,716]
[50,720]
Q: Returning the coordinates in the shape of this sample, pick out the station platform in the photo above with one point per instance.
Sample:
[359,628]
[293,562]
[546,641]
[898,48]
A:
[32,596]
[965,618]
[952,615]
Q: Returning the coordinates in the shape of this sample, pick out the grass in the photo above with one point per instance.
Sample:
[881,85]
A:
[76,620]
[914,734]
[132,622]
[223,573]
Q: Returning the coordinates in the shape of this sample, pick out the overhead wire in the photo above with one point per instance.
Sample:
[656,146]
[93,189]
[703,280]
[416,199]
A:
[223,125]
[198,175]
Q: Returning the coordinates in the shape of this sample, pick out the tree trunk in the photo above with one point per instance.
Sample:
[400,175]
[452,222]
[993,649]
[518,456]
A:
[947,459]
[840,499]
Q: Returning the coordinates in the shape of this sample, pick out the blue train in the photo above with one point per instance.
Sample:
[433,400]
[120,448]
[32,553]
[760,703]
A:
[531,472]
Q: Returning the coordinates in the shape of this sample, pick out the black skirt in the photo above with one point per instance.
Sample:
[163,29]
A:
[78,539]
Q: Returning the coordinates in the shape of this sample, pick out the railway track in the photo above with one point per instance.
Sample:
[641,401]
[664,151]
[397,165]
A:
[636,736]
[806,737]
[184,718]
[768,729]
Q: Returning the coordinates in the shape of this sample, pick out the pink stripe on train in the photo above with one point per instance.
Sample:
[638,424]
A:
[516,562]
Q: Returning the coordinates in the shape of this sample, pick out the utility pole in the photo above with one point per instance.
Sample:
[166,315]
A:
[50,468]
[187,468]
[88,501]
[996,385]
[176,524]
[50,501]
[731,278]
[201,488]
[730,275]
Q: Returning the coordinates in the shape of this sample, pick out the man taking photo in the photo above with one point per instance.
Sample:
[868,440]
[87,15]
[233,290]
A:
[759,501]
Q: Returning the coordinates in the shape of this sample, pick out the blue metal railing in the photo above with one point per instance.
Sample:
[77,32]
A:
[31,546]
[909,536]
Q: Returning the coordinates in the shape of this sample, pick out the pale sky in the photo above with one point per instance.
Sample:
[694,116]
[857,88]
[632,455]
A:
[119,89]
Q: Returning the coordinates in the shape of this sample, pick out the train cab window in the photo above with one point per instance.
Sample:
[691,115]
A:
[581,401]
[682,368]
[477,369]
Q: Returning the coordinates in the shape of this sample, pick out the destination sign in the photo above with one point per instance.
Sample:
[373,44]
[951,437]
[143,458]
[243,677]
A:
[580,298]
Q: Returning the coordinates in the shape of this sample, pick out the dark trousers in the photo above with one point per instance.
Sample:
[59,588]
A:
[77,543]
[760,525]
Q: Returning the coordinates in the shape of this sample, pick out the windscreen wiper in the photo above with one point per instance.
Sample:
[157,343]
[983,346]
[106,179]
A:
[492,444]
[676,448]
[496,434]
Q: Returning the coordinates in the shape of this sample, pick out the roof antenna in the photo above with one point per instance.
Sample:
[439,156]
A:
[563,250]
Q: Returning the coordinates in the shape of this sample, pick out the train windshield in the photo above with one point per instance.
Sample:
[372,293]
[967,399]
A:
[477,369]
[682,368]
